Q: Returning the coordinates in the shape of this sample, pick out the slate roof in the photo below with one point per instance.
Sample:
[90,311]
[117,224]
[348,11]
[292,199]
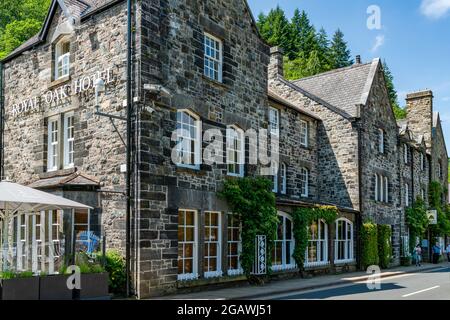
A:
[343,88]
[278,99]
[73,179]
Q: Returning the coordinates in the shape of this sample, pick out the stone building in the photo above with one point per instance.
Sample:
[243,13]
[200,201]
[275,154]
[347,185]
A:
[202,77]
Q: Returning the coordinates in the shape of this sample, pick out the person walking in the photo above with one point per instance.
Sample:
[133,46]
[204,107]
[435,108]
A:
[448,252]
[436,253]
[418,255]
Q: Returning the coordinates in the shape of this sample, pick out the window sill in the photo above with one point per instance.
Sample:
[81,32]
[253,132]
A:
[58,82]
[215,82]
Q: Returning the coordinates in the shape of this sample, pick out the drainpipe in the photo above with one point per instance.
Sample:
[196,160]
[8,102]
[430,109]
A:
[129,144]
[2,126]
[359,222]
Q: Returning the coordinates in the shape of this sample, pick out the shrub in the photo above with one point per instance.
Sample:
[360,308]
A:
[384,245]
[369,240]
[115,266]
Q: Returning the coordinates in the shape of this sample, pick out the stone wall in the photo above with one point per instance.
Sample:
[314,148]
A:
[98,44]
[172,55]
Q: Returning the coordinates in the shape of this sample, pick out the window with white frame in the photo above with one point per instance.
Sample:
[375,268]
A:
[283,178]
[304,182]
[317,251]
[188,140]
[22,241]
[38,233]
[62,59]
[234,245]
[60,155]
[284,245]
[213,57]
[235,151]
[343,243]
[55,229]
[304,133]
[53,145]
[213,237]
[274,121]
[69,140]
[381,140]
[187,245]
[274,168]
[405,153]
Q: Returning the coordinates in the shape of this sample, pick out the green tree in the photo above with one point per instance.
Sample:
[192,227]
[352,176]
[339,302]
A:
[340,54]
[400,113]
[324,50]
[19,21]
[275,29]
[303,34]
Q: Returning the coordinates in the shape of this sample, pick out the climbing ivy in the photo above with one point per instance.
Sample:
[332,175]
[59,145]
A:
[303,218]
[369,243]
[416,217]
[384,245]
[253,201]
[436,192]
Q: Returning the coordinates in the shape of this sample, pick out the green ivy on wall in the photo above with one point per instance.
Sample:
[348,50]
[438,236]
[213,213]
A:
[435,200]
[416,217]
[303,218]
[253,201]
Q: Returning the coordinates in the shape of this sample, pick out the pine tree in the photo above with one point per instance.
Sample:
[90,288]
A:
[303,34]
[400,113]
[324,51]
[275,29]
[340,54]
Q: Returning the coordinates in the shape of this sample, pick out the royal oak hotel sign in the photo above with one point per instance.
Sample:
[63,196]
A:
[56,96]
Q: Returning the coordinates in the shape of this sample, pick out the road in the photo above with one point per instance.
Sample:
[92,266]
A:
[431,285]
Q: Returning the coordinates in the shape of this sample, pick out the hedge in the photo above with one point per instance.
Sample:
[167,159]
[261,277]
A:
[384,245]
[369,241]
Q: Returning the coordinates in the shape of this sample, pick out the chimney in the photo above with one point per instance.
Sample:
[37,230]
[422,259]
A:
[358,59]
[276,62]
[419,107]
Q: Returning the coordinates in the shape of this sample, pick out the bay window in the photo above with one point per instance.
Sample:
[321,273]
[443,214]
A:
[187,245]
[188,137]
[317,251]
[284,245]
[213,238]
[343,244]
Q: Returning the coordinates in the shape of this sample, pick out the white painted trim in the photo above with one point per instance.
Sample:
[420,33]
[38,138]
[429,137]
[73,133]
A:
[194,275]
[220,61]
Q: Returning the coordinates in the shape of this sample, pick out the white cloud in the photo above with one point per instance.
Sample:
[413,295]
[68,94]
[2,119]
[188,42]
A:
[435,9]
[379,41]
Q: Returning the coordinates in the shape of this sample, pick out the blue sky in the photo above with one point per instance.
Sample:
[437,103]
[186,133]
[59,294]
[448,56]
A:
[414,39]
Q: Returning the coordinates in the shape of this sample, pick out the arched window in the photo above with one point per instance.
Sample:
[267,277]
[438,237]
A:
[343,244]
[284,245]
[283,178]
[235,151]
[317,252]
[188,137]
[62,59]
[304,182]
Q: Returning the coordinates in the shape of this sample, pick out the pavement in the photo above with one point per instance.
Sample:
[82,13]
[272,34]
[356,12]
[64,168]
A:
[349,285]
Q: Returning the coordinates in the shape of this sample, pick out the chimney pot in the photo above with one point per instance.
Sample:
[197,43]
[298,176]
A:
[358,59]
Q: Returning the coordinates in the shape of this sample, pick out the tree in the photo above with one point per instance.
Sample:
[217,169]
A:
[323,50]
[19,21]
[340,54]
[275,29]
[303,34]
[400,113]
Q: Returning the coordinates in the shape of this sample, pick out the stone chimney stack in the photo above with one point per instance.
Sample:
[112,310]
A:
[419,107]
[276,62]
[358,59]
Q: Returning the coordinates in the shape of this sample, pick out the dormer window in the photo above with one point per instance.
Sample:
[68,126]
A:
[62,59]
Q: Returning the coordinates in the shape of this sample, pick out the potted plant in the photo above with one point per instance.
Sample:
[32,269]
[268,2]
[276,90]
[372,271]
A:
[19,286]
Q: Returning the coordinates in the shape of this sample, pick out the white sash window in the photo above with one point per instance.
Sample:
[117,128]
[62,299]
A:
[234,245]
[343,244]
[317,251]
[284,245]
[62,59]
[187,245]
[69,140]
[213,57]
[235,151]
[213,237]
